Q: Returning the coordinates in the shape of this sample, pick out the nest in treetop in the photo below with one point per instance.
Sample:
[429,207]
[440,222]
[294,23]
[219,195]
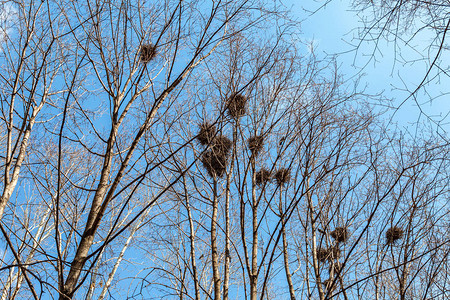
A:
[214,163]
[328,254]
[236,105]
[282,176]
[393,234]
[328,284]
[206,134]
[255,144]
[215,160]
[148,52]
[221,146]
[262,176]
[322,254]
[340,234]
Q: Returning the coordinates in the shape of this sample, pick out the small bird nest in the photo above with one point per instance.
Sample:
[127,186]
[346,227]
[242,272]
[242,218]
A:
[394,234]
[322,254]
[148,52]
[236,105]
[328,254]
[282,176]
[206,133]
[222,146]
[340,234]
[262,176]
[329,286]
[214,163]
[255,144]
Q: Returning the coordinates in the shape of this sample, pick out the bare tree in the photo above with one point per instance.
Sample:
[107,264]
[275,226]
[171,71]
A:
[416,32]
[103,77]
[191,150]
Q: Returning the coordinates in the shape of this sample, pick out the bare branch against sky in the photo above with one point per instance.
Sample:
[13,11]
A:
[203,150]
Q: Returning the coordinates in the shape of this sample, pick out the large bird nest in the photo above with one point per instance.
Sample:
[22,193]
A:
[206,133]
[331,253]
[215,160]
[394,234]
[236,105]
[148,52]
[221,145]
[263,176]
[255,144]
[340,234]
[214,163]
[282,176]
[322,254]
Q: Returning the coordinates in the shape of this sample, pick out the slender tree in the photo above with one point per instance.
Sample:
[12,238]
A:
[192,150]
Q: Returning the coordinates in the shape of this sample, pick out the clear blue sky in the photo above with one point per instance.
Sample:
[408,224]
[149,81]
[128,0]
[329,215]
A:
[333,28]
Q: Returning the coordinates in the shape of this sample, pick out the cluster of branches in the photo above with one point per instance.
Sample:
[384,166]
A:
[189,150]
[417,34]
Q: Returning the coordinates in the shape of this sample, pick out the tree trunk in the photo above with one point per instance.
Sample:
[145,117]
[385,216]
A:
[254,267]
[214,254]
[285,251]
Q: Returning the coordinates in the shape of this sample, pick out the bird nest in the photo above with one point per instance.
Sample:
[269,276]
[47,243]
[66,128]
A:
[206,133]
[221,146]
[322,254]
[340,234]
[236,105]
[215,160]
[148,52]
[282,176]
[262,176]
[394,234]
[255,144]
[214,163]
[331,253]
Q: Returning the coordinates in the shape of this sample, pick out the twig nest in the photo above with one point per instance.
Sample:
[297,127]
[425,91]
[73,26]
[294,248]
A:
[262,176]
[214,163]
[340,234]
[206,133]
[394,234]
[236,105]
[282,176]
[255,144]
[221,146]
[215,160]
[322,254]
[329,286]
[148,52]
[331,253]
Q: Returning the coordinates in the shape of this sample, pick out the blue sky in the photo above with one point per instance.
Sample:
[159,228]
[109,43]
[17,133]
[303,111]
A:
[332,30]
